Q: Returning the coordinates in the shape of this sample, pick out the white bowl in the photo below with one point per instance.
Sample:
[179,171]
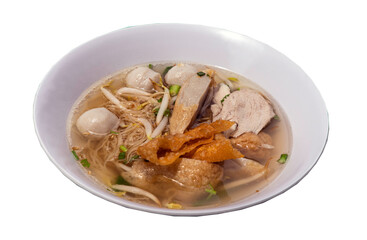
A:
[274,72]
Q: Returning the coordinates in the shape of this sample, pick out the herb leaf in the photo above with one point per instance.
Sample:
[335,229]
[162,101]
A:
[224,98]
[283,158]
[131,159]
[167,112]
[75,155]
[113,132]
[200,74]
[150,66]
[123,148]
[276,117]
[211,191]
[166,70]
[155,111]
[121,181]
[85,163]
[160,100]
[122,155]
[174,89]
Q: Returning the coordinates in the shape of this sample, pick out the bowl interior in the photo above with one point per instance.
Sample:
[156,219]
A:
[275,73]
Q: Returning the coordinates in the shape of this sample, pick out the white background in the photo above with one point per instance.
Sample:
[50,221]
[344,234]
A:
[326,38]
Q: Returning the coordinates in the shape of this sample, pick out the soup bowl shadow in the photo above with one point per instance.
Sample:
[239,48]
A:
[287,83]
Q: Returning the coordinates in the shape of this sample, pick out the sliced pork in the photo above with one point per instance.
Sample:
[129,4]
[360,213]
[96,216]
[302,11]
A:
[248,108]
[221,91]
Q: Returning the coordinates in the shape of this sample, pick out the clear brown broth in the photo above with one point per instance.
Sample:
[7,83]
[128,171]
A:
[277,129]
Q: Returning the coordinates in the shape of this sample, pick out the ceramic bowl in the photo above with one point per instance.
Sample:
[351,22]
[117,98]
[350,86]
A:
[275,73]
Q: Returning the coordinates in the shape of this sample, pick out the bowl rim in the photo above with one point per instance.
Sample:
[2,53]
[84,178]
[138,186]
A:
[164,211]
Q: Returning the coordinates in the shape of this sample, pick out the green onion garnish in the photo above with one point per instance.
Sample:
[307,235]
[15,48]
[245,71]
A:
[131,159]
[211,191]
[174,89]
[276,117]
[122,155]
[166,70]
[224,98]
[155,111]
[160,100]
[75,155]
[150,66]
[85,163]
[113,132]
[167,112]
[283,158]
[123,148]
[121,181]
[200,74]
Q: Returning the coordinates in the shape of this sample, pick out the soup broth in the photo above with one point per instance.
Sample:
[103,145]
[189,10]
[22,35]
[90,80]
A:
[119,134]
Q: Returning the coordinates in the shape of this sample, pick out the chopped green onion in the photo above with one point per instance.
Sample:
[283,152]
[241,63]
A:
[276,117]
[160,100]
[155,111]
[238,89]
[211,191]
[123,148]
[131,159]
[233,79]
[200,74]
[174,89]
[224,98]
[113,132]
[167,112]
[75,155]
[121,181]
[283,158]
[166,70]
[85,163]
[122,155]
[150,66]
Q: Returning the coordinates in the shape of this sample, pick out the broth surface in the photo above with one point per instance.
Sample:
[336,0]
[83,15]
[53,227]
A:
[105,171]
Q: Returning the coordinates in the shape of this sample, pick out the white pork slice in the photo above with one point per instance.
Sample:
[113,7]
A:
[179,74]
[141,78]
[221,91]
[249,109]
[188,103]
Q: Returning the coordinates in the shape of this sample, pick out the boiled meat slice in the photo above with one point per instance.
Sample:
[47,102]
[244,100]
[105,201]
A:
[221,91]
[249,109]
[188,103]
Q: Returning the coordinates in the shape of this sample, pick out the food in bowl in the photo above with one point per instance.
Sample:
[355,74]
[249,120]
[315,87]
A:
[179,135]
